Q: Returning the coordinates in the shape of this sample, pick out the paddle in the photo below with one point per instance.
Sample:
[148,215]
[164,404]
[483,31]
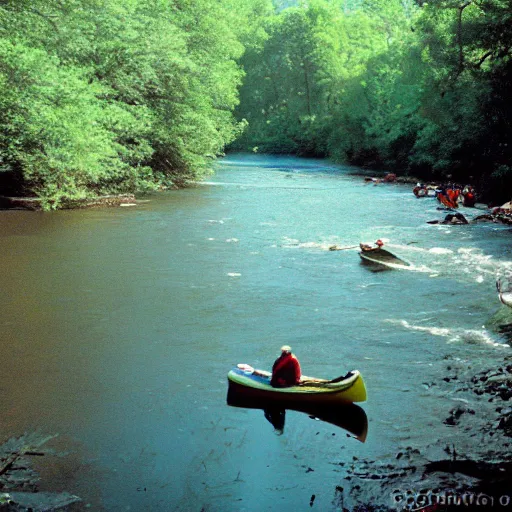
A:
[247,368]
[336,248]
[322,382]
[250,370]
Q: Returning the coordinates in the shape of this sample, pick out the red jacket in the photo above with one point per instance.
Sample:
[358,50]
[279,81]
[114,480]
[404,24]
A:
[285,371]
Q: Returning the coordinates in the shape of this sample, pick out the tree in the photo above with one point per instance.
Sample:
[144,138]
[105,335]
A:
[119,96]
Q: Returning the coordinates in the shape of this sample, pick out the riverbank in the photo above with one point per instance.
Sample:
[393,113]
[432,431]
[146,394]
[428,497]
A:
[36,204]
[20,481]
[470,469]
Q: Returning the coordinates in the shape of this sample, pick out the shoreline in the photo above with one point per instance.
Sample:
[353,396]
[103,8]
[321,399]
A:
[469,469]
[35,203]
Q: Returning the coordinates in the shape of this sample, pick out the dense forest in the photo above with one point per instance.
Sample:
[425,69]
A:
[101,97]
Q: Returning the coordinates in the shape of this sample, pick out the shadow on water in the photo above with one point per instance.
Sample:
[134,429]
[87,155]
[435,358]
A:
[349,417]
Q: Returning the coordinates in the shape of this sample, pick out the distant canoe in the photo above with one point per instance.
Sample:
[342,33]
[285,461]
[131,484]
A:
[383,257]
[422,191]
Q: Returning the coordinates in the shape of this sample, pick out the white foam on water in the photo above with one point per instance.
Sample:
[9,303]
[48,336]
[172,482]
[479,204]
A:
[470,262]
[440,250]
[234,274]
[409,247]
[485,271]
[436,331]
[466,250]
[463,400]
[411,268]
[309,245]
[422,268]
[467,336]
[474,337]
[289,242]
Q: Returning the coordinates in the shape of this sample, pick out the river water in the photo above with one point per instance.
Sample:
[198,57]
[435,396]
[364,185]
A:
[120,325]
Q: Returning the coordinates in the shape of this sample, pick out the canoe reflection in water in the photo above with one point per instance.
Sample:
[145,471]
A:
[276,416]
[349,417]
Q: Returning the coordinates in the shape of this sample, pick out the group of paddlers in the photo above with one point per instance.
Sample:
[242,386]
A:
[452,195]
[449,195]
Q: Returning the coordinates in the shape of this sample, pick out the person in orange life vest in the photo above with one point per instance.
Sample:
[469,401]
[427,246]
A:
[286,369]
[453,194]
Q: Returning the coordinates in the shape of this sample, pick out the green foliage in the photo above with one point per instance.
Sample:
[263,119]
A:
[295,90]
[52,129]
[101,97]
[397,84]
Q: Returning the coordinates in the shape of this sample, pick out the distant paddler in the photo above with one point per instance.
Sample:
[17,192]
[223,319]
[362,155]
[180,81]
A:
[368,248]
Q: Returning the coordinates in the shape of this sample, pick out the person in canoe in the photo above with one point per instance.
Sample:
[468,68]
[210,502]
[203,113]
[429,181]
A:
[420,190]
[469,196]
[366,248]
[286,370]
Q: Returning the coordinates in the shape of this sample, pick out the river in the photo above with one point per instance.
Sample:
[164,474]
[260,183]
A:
[120,325]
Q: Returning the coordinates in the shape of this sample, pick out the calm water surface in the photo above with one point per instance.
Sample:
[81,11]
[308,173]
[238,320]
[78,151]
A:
[120,325]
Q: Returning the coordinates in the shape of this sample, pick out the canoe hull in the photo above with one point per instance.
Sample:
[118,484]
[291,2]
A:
[258,387]
[382,257]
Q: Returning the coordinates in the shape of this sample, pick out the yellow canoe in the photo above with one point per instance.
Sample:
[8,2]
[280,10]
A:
[256,384]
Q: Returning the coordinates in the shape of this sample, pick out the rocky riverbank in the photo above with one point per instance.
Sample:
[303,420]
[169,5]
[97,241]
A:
[19,481]
[469,469]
